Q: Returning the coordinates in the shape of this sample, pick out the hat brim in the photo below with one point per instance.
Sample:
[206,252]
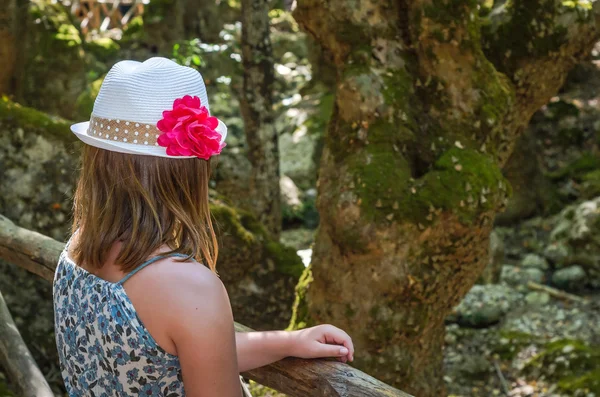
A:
[81,131]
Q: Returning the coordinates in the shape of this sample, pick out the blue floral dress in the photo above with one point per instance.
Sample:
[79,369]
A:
[103,346]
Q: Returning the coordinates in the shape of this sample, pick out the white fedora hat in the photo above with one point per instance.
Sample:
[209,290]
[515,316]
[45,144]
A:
[135,96]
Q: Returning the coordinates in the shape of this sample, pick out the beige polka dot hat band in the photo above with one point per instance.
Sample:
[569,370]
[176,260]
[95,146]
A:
[123,131]
[154,108]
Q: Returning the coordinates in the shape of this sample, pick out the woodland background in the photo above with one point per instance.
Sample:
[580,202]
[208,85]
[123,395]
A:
[437,162]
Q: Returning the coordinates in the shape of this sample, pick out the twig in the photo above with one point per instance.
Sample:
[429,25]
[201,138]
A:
[555,292]
[502,379]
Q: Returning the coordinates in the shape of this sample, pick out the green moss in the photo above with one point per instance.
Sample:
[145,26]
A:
[286,259]
[244,227]
[585,164]
[300,318]
[15,115]
[573,364]
[258,390]
[462,180]
[591,184]
[229,220]
[588,382]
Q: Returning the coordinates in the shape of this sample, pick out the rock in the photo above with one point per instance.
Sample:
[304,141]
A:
[516,276]
[485,305]
[557,253]
[571,277]
[534,261]
[290,195]
[537,298]
[297,158]
[491,273]
[578,229]
[474,366]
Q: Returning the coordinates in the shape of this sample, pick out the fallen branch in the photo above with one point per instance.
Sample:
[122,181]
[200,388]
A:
[16,358]
[293,376]
[554,292]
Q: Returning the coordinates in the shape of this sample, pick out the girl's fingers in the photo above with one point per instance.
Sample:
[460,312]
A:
[336,335]
[326,350]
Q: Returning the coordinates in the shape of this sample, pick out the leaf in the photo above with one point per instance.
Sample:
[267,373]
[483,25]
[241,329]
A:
[196,60]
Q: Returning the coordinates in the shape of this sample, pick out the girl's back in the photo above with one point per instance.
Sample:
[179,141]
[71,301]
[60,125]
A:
[104,348]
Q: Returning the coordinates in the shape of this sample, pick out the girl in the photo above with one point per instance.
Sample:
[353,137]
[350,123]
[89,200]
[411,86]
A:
[135,312]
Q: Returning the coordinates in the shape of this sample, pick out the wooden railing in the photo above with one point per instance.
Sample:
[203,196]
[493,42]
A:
[105,14]
[295,377]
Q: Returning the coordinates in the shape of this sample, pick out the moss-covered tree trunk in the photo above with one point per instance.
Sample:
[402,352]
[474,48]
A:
[428,107]
[257,110]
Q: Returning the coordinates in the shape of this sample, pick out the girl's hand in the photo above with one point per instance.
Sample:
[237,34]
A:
[322,341]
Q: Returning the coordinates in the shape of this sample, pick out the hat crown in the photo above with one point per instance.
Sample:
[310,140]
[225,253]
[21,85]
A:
[141,91]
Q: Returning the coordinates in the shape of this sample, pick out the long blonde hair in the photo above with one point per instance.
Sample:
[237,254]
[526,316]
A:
[145,202]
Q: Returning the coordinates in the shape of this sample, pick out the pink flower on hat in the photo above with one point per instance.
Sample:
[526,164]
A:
[188,130]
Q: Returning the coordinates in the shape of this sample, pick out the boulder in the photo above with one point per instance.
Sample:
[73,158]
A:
[536,298]
[534,261]
[572,277]
[519,277]
[485,305]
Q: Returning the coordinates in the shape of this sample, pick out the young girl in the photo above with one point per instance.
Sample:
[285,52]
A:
[135,311]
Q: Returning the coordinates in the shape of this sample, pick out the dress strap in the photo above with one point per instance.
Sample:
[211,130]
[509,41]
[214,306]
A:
[68,243]
[148,262]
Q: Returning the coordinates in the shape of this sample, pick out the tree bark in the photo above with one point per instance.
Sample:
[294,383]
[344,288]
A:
[257,111]
[410,178]
[295,377]
[16,358]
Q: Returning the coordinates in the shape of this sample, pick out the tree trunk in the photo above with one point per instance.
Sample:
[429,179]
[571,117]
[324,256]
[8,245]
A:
[8,47]
[257,110]
[533,192]
[410,178]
